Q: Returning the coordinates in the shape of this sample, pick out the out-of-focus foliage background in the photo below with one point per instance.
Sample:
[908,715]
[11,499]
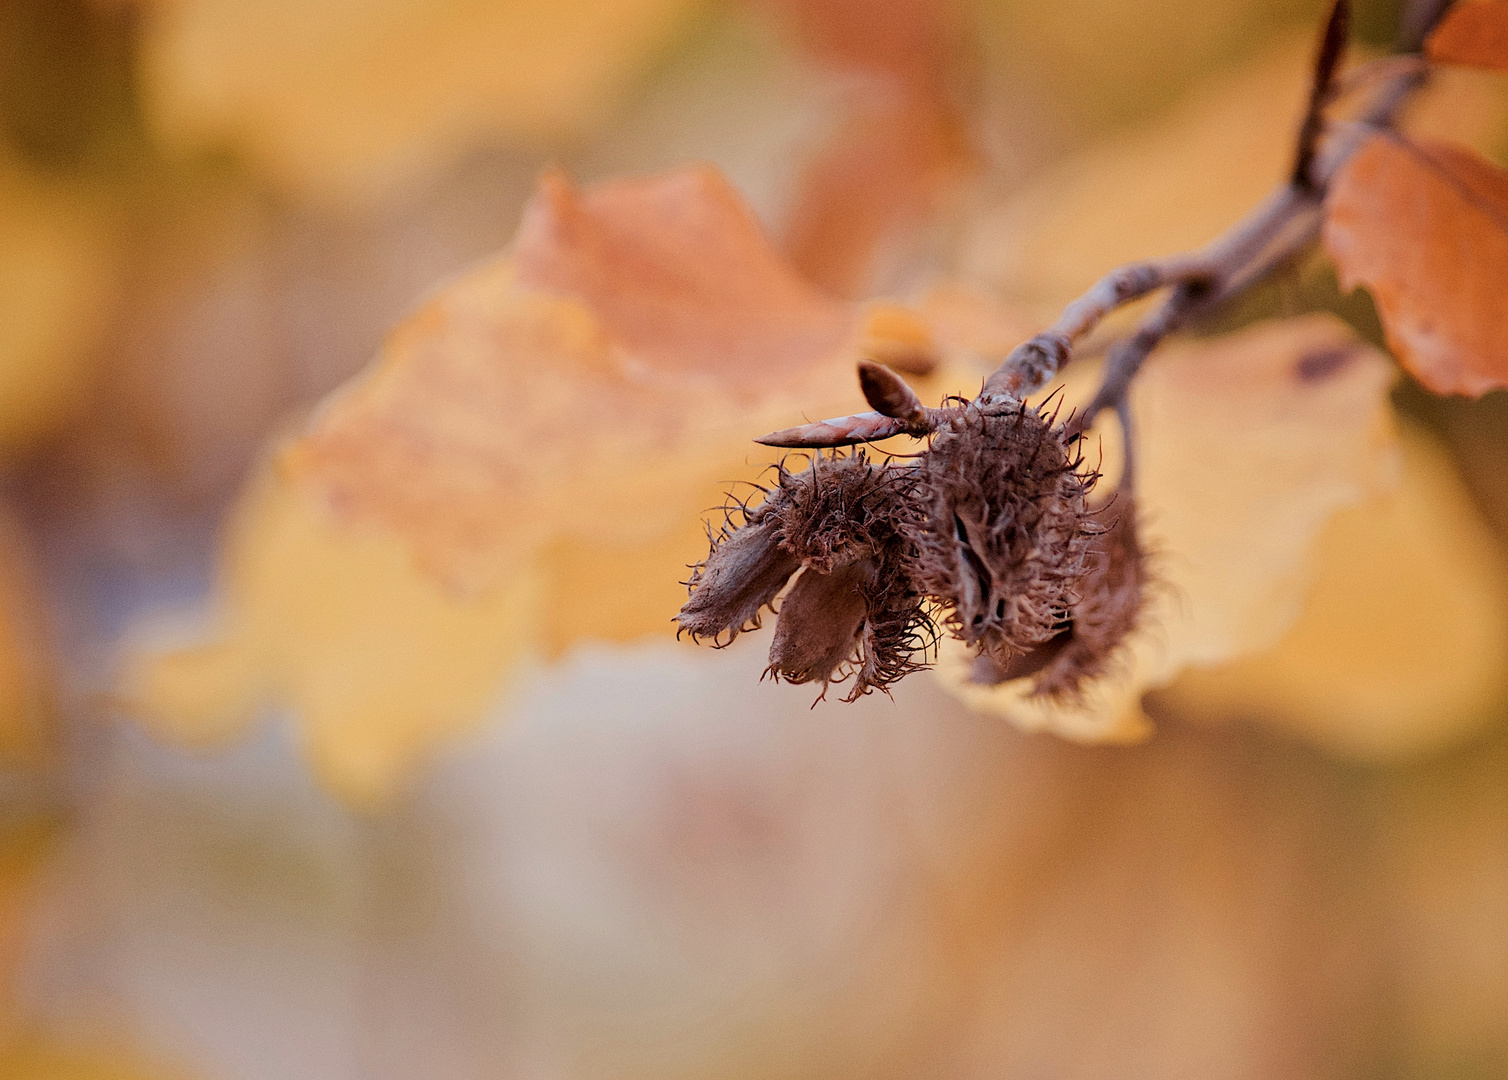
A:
[639,862]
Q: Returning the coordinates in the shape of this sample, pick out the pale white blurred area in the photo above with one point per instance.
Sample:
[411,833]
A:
[659,867]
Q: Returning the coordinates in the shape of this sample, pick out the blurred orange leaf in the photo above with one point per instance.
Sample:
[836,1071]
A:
[631,319]
[1473,32]
[1424,226]
[901,150]
[1248,444]
[526,465]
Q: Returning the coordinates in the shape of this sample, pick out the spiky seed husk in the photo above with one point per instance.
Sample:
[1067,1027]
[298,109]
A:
[1109,607]
[840,512]
[1112,597]
[1006,534]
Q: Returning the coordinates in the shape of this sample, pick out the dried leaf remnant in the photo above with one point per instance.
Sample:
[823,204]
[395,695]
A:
[1424,226]
[524,466]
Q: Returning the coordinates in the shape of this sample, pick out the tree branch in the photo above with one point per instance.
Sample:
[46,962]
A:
[1281,226]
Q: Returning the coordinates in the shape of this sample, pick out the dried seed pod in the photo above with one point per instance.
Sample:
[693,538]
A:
[820,621]
[848,522]
[745,571]
[1007,532]
[1112,596]
[845,511]
[991,673]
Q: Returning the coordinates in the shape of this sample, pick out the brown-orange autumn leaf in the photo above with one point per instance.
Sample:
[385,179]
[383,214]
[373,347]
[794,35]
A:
[633,318]
[527,465]
[902,149]
[1424,226]
[1473,32]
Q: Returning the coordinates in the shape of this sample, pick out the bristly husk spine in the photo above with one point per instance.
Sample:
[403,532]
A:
[1113,595]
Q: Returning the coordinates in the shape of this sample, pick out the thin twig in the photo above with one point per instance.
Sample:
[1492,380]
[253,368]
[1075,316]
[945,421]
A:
[1321,90]
[1127,482]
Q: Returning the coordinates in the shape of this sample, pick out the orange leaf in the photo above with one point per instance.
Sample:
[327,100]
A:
[863,201]
[1424,226]
[630,318]
[1473,32]
[525,466]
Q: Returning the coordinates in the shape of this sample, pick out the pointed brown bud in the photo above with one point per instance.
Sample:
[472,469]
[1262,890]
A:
[888,393]
[839,431]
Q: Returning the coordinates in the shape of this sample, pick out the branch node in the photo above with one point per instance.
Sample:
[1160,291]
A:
[1030,366]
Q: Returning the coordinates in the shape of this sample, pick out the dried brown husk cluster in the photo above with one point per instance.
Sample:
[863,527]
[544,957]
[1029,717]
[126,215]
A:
[1008,533]
[989,530]
[846,524]
[1111,596]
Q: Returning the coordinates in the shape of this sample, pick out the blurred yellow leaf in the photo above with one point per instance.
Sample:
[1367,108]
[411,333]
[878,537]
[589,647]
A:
[27,688]
[378,663]
[1403,645]
[56,293]
[526,465]
[42,1058]
[1164,187]
[339,99]
[26,839]
[1088,64]
[1247,445]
